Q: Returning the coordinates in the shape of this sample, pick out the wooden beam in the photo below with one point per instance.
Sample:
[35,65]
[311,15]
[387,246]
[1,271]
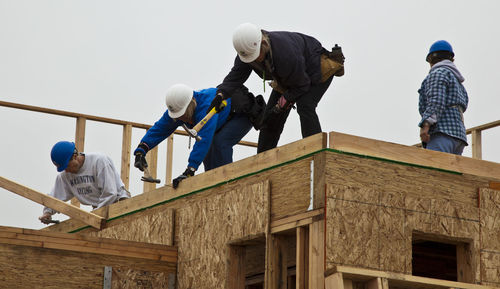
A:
[53,203]
[399,280]
[334,281]
[170,159]
[464,263]
[302,257]
[317,254]
[495,185]
[79,144]
[413,155]
[484,126]
[296,221]
[126,147]
[213,177]
[71,242]
[476,144]
[235,277]
[278,260]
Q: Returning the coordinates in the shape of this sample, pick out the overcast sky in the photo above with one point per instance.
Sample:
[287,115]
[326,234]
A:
[116,59]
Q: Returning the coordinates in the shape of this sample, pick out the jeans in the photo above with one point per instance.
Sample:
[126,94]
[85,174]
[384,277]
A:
[271,130]
[221,150]
[444,143]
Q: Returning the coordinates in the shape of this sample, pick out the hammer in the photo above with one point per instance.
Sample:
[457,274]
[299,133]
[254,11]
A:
[148,178]
[193,132]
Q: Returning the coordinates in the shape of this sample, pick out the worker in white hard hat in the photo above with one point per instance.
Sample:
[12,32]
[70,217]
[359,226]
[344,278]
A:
[301,71]
[218,136]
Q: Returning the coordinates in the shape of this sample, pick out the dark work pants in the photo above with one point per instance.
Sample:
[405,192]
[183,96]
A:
[221,150]
[306,108]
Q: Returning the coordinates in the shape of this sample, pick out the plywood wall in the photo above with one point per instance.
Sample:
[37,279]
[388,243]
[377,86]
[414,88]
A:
[374,207]
[154,226]
[31,267]
[490,236]
[205,229]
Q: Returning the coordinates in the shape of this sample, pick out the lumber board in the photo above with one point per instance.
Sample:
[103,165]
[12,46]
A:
[126,148]
[413,155]
[495,185]
[255,164]
[71,242]
[53,203]
[316,254]
[296,221]
[302,257]
[399,280]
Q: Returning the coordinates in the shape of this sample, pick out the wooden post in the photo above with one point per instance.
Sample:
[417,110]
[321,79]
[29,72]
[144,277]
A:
[278,270]
[79,144]
[476,144]
[464,263]
[334,281]
[302,257]
[170,161]
[236,267]
[126,144]
[53,203]
[317,254]
[151,158]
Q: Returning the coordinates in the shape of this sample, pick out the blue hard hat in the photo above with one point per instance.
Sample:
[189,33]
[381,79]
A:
[61,154]
[441,45]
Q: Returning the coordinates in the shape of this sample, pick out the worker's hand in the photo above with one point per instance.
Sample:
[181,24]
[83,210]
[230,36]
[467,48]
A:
[217,103]
[424,133]
[282,105]
[189,172]
[140,161]
[45,218]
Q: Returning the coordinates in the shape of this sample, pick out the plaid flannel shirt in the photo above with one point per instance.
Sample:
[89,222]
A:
[441,97]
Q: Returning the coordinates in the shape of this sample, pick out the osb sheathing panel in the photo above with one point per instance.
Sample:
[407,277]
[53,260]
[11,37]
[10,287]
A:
[375,227]
[31,267]
[490,236]
[124,278]
[152,226]
[421,183]
[204,229]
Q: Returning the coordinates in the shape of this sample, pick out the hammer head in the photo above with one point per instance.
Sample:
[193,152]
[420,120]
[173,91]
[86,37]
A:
[192,132]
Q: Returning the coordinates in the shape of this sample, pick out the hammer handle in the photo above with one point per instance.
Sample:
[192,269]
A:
[202,122]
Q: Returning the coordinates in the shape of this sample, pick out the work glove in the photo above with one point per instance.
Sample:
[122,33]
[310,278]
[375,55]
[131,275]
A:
[189,172]
[282,105]
[217,103]
[140,156]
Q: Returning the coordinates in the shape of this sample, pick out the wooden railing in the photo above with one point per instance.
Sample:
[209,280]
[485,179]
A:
[475,133]
[126,140]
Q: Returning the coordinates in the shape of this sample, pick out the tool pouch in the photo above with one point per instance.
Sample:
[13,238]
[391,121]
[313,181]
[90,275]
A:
[332,63]
[243,101]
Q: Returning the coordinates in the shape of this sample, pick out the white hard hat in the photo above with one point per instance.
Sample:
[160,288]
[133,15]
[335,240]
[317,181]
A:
[246,40]
[177,99]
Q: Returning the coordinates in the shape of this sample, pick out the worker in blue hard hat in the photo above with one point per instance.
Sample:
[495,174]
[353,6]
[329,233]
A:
[90,177]
[442,102]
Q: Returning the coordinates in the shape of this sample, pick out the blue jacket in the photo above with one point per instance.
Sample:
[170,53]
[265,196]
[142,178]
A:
[296,64]
[165,126]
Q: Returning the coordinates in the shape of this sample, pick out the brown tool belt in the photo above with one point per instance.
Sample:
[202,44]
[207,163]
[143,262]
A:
[330,67]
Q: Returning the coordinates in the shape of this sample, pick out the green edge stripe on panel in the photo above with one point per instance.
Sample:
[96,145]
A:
[270,168]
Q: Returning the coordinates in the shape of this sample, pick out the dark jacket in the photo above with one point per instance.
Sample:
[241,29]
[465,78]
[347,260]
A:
[295,65]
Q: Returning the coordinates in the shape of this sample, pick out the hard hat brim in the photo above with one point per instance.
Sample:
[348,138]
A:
[178,113]
[250,58]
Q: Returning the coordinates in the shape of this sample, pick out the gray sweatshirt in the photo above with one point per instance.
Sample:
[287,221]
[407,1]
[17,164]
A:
[96,184]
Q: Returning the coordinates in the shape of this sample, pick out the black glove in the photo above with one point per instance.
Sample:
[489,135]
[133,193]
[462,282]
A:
[189,172]
[217,103]
[140,156]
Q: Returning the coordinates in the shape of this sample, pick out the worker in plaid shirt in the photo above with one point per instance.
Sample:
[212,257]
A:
[442,101]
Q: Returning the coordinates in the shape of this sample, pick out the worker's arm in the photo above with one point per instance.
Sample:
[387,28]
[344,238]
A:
[59,191]
[162,129]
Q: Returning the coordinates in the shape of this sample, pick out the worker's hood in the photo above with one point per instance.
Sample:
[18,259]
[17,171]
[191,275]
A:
[450,65]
